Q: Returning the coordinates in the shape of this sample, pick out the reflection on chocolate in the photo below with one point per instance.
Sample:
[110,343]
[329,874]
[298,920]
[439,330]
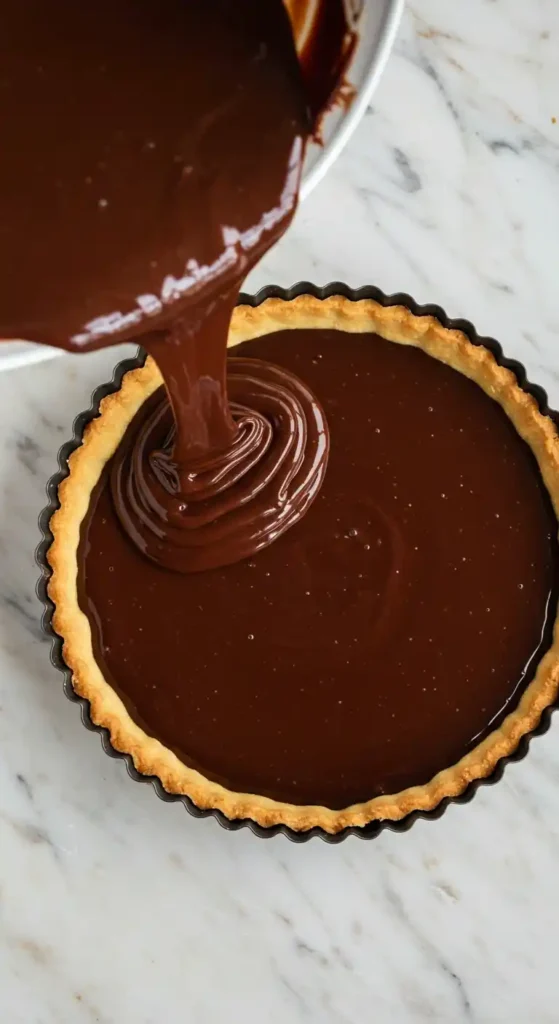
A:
[324,43]
[382,636]
[151,153]
[232,501]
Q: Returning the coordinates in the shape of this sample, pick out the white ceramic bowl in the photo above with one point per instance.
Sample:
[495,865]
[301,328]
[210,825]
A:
[376,23]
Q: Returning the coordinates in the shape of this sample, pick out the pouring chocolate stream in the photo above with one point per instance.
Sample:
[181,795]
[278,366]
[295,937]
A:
[152,154]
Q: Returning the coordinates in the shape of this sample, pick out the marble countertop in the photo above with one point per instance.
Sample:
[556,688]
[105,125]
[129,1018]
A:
[117,908]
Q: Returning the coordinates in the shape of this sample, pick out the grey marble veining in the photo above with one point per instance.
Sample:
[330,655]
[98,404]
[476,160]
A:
[117,908]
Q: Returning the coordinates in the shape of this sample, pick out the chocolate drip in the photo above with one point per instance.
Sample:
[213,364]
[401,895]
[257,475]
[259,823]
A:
[223,504]
[325,43]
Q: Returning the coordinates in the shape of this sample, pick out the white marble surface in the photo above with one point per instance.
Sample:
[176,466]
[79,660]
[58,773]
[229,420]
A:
[117,908]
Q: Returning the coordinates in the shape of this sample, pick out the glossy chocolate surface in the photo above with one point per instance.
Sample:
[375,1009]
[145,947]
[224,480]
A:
[151,152]
[382,636]
[324,43]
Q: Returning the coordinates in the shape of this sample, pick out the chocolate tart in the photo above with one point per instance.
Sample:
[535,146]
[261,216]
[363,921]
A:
[526,710]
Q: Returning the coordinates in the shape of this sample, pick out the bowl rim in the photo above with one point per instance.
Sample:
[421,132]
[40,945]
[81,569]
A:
[374,828]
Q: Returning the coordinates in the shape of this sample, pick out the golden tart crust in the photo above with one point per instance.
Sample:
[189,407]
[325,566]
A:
[102,437]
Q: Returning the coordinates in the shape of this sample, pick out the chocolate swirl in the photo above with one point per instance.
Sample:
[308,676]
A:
[227,504]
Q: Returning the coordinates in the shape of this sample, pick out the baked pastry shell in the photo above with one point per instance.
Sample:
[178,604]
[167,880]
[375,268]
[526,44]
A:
[268,818]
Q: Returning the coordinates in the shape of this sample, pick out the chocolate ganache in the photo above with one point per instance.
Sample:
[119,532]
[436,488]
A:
[152,153]
[380,639]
